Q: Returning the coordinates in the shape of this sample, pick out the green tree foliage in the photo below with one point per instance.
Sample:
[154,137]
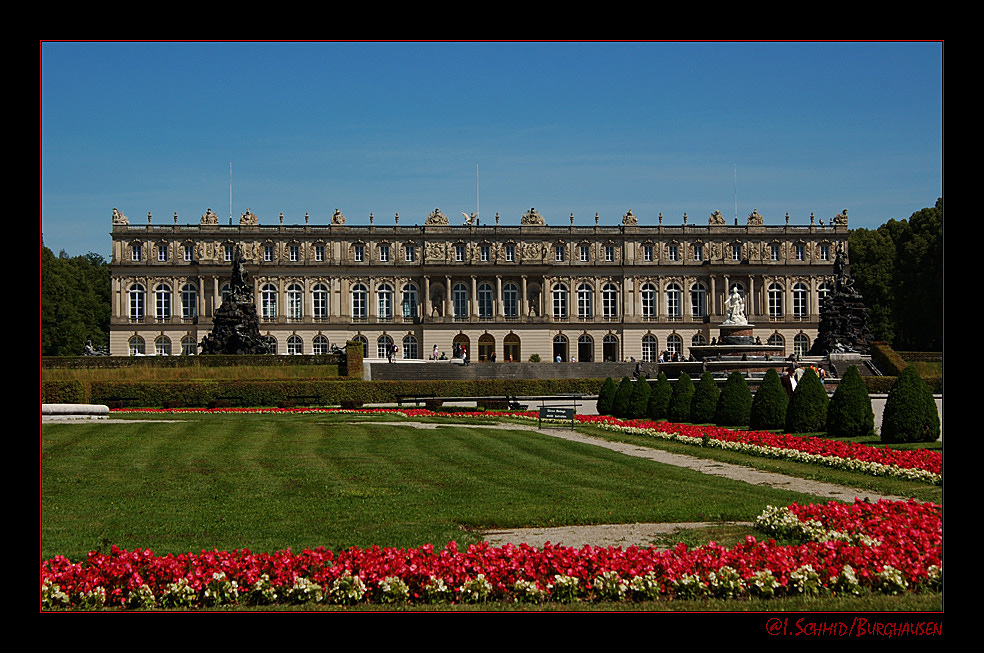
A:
[897,267]
[75,303]
[623,397]
[734,406]
[850,414]
[910,413]
[659,398]
[639,402]
[606,396]
[807,410]
[705,400]
[769,405]
[683,395]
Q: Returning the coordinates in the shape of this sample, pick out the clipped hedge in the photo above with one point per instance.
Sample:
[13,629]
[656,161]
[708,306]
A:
[327,392]
[64,392]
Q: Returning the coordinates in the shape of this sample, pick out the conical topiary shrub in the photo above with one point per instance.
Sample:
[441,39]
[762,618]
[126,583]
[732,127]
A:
[705,400]
[623,395]
[849,414]
[606,396]
[639,402]
[807,410]
[734,407]
[659,398]
[769,404]
[680,400]
[910,413]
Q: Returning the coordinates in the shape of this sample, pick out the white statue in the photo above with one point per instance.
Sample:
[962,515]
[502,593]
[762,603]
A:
[734,308]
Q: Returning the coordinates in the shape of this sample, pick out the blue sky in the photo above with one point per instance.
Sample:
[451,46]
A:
[405,128]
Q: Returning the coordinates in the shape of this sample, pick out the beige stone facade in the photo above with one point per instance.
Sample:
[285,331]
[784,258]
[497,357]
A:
[585,292]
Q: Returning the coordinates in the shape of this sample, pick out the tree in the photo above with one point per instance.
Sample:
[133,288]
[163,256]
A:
[623,395]
[639,402]
[75,303]
[807,410]
[606,396]
[910,413]
[769,405]
[705,400]
[683,395]
[659,398]
[734,406]
[850,414]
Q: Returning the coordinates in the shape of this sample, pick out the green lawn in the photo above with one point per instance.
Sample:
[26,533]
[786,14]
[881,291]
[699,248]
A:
[267,482]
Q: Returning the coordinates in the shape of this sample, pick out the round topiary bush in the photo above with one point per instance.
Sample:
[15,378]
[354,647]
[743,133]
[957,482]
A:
[606,396]
[705,400]
[734,406]
[769,404]
[681,399]
[659,398]
[623,395]
[639,402]
[910,413]
[849,414]
[807,410]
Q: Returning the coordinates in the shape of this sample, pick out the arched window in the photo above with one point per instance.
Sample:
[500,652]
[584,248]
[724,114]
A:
[382,346]
[319,301]
[162,302]
[801,309]
[510,300]
[609,348]
[136,346]
[295,304]
[189,301]
[777,340]
[560,353]
[162,346]
[138,298]
[410,302]
[585,309]
[698,340]
[823,290]
[698,300]
[459,301]
[560,301]
[648,296]
[609,301]
[360,305]
[486,301]
[585,348]
[272,344]
[650,348]
[674,343]
[410,348]
[365,344]
[674,310]
[384,302]
[188,346]
[511,348]
[801,344]
[775,301]
[295,346]
[268,302]
[320,345]
[224,292]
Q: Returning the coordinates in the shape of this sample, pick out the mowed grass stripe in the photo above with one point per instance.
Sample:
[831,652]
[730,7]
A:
[269,482]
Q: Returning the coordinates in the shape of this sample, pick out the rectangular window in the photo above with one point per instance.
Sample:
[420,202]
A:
[227,253]
[674,252]
[410,253]
[162,253]
[295,253]
[485,252]
[360,253]
[774,249]
[510,252]
[558,252]
[736,252]
[459,253]
[189,252]
[268,253]
[698,252]
[585,253]
[800,253]
[319,253]
[609,252]
[136,252]
[384,253]
[824,252]
[647,253]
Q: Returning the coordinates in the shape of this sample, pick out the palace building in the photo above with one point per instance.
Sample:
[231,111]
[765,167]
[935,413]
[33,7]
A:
[589,293]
